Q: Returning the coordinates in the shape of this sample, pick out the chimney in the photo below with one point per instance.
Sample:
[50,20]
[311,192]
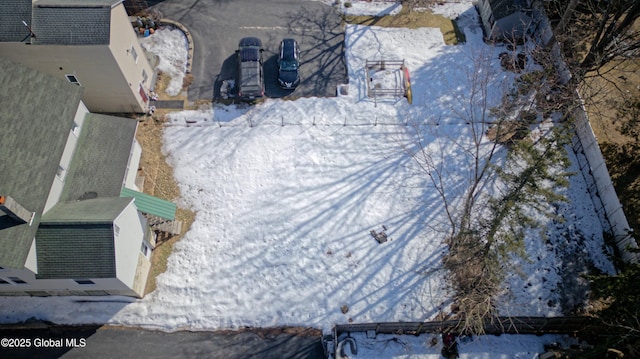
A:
[14,210]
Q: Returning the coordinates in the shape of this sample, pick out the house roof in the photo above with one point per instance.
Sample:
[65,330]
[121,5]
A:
[76,239]
[72,22]
[12,14]
[99,165]
[503,8]
[36,119]
[96,210]
[151,205]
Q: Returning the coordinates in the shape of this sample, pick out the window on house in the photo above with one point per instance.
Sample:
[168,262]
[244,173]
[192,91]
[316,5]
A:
[144,76]
[75,128]
[144,249]
[84,281]
[134,54]
[73,79]
[116,229]
[2,281]
[17,280]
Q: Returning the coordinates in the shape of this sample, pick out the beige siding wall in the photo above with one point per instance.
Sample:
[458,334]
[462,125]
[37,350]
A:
[109,74]
[129,54]
[105,87]
[142,273]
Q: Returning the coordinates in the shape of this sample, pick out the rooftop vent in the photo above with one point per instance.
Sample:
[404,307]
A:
[88,195]
[15,211]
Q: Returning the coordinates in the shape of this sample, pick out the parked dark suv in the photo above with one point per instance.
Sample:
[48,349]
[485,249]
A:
[250,73]
[289,64]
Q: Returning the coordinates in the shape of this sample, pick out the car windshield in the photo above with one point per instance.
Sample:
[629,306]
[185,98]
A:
[288,65]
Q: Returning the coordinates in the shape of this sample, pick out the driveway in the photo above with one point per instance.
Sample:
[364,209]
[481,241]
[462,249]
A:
[218,25]
[115,342]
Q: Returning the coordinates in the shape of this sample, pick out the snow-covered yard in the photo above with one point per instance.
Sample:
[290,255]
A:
[286,193]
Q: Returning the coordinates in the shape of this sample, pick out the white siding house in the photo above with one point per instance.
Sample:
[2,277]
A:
[65,228]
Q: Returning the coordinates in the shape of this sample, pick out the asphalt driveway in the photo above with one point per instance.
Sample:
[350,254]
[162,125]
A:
[113,342]
[218,25]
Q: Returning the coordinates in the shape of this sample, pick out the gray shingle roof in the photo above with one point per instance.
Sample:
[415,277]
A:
[72,22]
[99,165]
[12,14]
[78,251]
[76,239]
[36,119]
[96,210]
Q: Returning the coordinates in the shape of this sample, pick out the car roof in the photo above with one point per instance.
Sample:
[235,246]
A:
[288,44]
[288,47]
[250,41]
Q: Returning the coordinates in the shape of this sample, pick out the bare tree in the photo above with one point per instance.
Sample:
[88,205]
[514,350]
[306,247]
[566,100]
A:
[596,32]
[486,228]
[618,326]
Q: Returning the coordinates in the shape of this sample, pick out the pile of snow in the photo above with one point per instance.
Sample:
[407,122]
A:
[170,45]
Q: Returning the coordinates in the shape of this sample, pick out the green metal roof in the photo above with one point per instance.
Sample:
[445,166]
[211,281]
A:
[151,205]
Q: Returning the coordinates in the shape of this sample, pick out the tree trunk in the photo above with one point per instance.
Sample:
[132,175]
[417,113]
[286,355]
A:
[566,16]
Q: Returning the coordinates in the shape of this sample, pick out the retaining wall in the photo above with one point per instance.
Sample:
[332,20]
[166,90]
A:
[590,159]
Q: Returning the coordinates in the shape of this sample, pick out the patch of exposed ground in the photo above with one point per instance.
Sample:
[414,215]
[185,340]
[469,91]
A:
[162,82]
[159,182]
[608,94]
[412,19]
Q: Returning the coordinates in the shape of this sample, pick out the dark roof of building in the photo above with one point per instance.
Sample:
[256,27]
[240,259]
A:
[36,119]
[72,22]
[12,14]
[99,165]
[503,8]
[76,239]
[96,210]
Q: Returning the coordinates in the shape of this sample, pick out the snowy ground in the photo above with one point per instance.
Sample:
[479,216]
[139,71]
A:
[377,8]
[286,193]
[488,346]
[172,62]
